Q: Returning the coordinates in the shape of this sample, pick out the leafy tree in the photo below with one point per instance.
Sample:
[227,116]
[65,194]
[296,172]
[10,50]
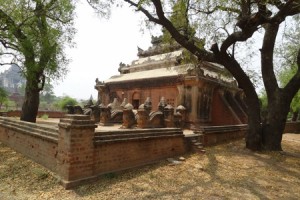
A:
[10,105]
[65,101]
[288,57]
[3,96]
[227,26]
[32,35]
[295,104]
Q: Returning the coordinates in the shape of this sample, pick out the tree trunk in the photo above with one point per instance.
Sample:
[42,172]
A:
[272,135]
[274,126]
[254,134]
[31,103]
[253,137]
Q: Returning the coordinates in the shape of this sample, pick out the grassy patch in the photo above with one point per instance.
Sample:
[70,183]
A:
[40,173]
[45,116]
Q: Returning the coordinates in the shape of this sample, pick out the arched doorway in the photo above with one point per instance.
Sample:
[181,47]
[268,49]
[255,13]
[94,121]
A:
[136,100]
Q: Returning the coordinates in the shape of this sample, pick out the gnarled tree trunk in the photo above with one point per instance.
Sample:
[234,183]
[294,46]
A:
[254,134]
[31,103]
[274,125]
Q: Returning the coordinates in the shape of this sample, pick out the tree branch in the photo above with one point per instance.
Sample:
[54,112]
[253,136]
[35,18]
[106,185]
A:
[201,54]
[238,36]
[217,8]
[267,53]
[58,19]
[7,53]
[9,45]
[250,23]
[2,64]
[290,8]
[18,34]
[146,12]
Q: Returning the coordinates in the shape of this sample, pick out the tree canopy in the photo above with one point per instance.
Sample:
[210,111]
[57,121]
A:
[288,61]
[66,101]
[33,35]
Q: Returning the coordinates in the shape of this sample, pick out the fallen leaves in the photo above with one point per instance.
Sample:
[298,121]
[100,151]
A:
[227,171]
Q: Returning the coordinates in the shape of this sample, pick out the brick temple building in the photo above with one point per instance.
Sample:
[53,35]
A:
[207,91]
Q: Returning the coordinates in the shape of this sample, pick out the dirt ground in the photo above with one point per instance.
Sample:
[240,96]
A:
[226,171]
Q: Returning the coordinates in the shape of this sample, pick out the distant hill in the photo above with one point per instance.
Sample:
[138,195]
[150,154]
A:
[11,79]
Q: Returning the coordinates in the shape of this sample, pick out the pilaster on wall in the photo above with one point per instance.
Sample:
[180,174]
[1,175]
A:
[75,149]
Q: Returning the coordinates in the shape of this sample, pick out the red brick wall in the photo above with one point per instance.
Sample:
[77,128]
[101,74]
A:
[122,155]
[75,148]
[37,148]
[221,114]
[221,137]
[213,135]
[79,159]
[292,127]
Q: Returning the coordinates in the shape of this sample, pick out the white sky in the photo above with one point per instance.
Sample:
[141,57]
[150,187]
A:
[100,46]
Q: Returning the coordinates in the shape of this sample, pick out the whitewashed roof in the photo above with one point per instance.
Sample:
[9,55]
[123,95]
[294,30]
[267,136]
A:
[155,73]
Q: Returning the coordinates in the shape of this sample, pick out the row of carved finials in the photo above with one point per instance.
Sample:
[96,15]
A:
[124,113]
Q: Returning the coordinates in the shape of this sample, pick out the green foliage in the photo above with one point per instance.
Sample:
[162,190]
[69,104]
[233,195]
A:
[284,77]
[65,101]
[45,116]
[9,105]
[41,174]
[3,96]
[43,28]
[263,102]
[101,7]
[33,36]
[180,20]
[287,54]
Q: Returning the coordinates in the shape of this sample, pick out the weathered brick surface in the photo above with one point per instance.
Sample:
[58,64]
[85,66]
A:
[35,145]
[76,153]
[292,127]
[75,147]
[127,154]
[221,114]
[73,154]
[213,135]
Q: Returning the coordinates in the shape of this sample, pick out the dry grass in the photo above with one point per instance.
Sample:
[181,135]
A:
[224,172]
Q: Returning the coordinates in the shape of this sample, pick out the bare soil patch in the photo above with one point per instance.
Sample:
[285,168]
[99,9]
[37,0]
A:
[227,171]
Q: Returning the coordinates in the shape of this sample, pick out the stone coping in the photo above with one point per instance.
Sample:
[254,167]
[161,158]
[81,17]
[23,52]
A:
[135,134]
[221,129]
[46,132]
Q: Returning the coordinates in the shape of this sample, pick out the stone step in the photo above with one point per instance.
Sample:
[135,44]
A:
[98,142]
[119,135]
